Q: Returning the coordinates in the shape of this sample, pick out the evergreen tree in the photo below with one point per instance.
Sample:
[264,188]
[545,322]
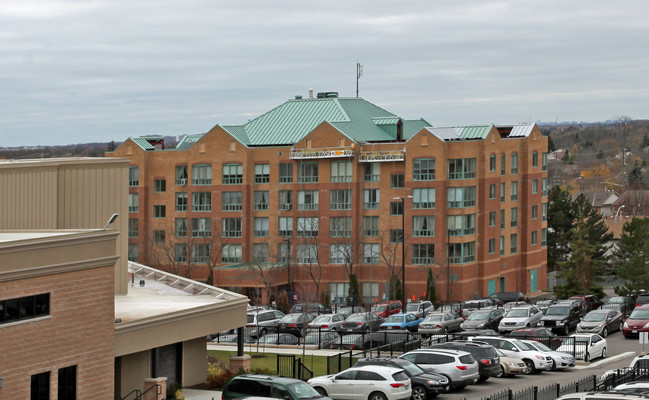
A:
[596,231]
[431,295]
[632,255]
[395,287]
[560,220]
[354,290]
[635,177]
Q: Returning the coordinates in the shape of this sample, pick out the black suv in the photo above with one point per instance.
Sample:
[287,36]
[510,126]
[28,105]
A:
[484,354]
[425,385]
[562,317]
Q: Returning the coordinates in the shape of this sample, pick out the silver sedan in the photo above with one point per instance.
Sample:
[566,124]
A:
[601,322]
[438,322]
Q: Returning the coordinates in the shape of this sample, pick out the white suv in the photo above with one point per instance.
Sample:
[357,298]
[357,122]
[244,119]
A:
[368,382]
[534,360]
[458,366]
[520,317]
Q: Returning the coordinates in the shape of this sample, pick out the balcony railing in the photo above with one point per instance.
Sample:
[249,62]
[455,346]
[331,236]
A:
[328,152]
[382,156]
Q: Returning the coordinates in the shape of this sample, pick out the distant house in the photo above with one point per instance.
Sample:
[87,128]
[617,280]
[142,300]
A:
[633,202]
[603,201]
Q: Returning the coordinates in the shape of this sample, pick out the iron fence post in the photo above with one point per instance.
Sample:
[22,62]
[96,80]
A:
[536,392]
[558,390]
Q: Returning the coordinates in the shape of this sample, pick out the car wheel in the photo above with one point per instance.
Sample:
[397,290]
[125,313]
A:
[501,373]
[605,332]
[321,391]
[418,393]
[604,352]
[566,330]
[377,396]
[531,369]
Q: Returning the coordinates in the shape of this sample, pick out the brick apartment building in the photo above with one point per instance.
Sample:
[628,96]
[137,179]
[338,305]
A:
[318,187]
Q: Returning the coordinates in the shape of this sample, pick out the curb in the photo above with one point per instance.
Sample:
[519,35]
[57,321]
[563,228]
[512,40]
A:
[584,365]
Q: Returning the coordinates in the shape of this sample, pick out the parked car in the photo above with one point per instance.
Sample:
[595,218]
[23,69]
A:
[261,321]
[539,334]
[458,366]
[384,310]
[346,311]
[623,304]
[511,347]
[401,321]
[232,338]
[638,362]
[562,317]
[369,382]
[601,322]
[311,308]
[474,332]
[420,308]
[327,322]
[520,317]
[642,298]
[637,322]
[323,339]
[483,319]
[509,366]
[439,322]
[453,308]
[358,341]
[584,346]
[589,302]
[560,360]
[425,385]
[279,338]
[362,322]
[506,297]
[294,324]
[544,304]
[484,354]
[252,385]
[470,306]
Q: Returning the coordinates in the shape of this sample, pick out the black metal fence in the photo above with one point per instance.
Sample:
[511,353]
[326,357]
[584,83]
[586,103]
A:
[291,366]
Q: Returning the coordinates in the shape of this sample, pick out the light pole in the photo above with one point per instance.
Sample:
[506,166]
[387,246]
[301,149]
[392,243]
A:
[403,247]
[288,264]
[618,211]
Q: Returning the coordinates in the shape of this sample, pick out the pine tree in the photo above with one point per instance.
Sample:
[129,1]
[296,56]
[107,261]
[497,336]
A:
[354,290]
[431,295]
[632,255]
[560,220]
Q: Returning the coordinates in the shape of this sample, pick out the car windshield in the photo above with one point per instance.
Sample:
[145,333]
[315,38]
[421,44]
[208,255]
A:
[522,345]
[394,319]
[517,313]
[291,318]
[378,309]
[412,307]
[539,346]
[321,319]
[558,311]
[478,316]
[303,390]
[639,314]
[412,369]
[595,317]
[433,318]
[544,302]
[355,318]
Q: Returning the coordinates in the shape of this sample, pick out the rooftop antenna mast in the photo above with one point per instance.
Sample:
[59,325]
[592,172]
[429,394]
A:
[359,73]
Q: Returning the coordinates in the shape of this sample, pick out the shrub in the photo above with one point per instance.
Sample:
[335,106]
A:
[218,377]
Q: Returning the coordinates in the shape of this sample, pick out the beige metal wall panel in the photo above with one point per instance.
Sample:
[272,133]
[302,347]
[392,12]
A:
[26,198]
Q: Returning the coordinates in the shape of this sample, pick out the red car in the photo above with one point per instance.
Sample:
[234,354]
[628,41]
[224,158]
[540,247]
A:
[386,309]
[637,322]
[540,334]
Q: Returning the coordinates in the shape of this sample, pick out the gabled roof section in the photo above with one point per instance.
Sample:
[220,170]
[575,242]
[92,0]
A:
[239,133]
[413,126]
[516,130]
[188,141]
[143,143]
[456,133]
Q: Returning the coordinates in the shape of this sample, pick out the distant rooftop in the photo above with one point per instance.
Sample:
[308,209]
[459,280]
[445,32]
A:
[19,235]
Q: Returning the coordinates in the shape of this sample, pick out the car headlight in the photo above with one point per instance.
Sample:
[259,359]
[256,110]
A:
[578,326]
[540,357]
[625,325]
[482,325]
[431,382]
[646,326]
[511,364]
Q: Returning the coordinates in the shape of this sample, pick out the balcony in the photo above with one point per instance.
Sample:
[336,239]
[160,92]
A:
[328,152]
[382,156]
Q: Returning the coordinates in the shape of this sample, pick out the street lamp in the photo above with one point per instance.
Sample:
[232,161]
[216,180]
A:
[618,211]
[403,247]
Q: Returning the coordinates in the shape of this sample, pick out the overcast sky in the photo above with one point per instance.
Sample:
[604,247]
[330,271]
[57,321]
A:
[94,71]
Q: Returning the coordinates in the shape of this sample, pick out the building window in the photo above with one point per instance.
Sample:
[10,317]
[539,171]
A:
[502,164]
[514,163]
[492,163]
[544,160]
[307,200]
[261,200]
[307,226]
[260,252]
[180,227]
[339,292]
[514,220]
[285,226]
[370,253]
[231,227]
[535,212]
[502,192]
[492,191]
[372,172]
[396,235]
[371,198]
[181,201]
[283,252]
[502,219]
[181,175]
[202,227]
[201,253]
[340,199]
[132,252]
[492,246]
[133,202]
[461,225]
[535,186]
[423,226]
[159,185]
[460,197]
[544,237]
[396,208]
[535,238]
[159,211]
[535,158]
[158,236]
[231,253]
[370,292]
[231,201]
[67,385]
[132,228]
[544,187]
[340,227]
[397,181]
[232,174]
[513,243]
[423,198]
[307,172]
[461,253]
[371,226]
[492,218]
[261,227]
[40,386]
[262,173]
[514,191]
[24,308]
[307,253]
[133,176]
[180,252]
[201,174]
[502,245]
[341,171]
[285,200]
[423,169]
[285,173]
[423,253]
[461,168]
[544,212]
[339,253]
[201,201]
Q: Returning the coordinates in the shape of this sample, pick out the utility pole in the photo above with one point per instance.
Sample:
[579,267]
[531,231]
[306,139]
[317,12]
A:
[359,73]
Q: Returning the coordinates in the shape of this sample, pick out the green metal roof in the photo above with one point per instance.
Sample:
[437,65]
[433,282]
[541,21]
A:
[412,127]
[143,143]
[471,132]
[188,141]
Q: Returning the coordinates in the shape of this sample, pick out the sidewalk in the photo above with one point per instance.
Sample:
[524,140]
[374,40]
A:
[195,394]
